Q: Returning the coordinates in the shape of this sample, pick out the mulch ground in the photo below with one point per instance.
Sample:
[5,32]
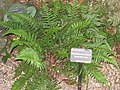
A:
[111,73]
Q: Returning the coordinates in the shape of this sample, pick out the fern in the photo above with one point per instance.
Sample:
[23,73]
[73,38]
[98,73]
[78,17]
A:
[25,38]
[31,56]
[77,35]
[76,30]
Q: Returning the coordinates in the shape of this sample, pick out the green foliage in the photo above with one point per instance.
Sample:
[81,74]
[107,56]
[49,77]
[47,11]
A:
[109,20]
[55,29]
[41,81]
[23,26]
[93,71]
[21,68]
[31,51]
[31,56]
[30,78]
[79,29]
[6,55]
[22,78]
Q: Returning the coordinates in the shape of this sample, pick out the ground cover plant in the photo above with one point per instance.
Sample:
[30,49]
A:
[45,40]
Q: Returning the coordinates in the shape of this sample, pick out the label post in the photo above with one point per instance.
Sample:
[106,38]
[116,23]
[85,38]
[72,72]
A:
[81,56]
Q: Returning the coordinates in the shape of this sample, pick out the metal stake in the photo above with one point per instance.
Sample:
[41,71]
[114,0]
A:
[79,76]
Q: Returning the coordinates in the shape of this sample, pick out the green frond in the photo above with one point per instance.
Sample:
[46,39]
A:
[93,71]
[21,68]
[18,32]
[62,54]
[9,25]
[33,23]
[20,17]
[16,43]
[22,21]
[80,25]
[70,69]
[41,81]
[76,29]
[31,57]
[20,82]
[15,17]
[32,37]
[111,60]
[103,53]
[97,74]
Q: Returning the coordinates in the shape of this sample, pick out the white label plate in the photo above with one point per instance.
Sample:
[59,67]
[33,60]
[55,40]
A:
[81,55]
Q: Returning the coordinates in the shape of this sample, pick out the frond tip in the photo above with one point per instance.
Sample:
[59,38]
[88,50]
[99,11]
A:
[31,56]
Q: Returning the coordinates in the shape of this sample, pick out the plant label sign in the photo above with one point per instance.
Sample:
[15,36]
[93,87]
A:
[81,55]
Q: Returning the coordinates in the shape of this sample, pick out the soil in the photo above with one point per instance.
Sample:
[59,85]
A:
[7,74]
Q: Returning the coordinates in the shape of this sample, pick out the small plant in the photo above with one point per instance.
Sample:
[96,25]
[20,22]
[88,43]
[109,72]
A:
[44,43]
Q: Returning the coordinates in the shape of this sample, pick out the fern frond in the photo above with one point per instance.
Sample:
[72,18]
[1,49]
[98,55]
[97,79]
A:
[93,70]
[10,25]
[70,69]
[31,57]
[97,74]
[31,24]
[111,60]
[17,43]
[22,21]
[19,83]
[21,68]
[32,37]
[80,25]
[18,32]
[102,53]
[41,81]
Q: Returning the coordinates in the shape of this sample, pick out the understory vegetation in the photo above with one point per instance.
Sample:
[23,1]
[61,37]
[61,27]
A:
[44,37]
